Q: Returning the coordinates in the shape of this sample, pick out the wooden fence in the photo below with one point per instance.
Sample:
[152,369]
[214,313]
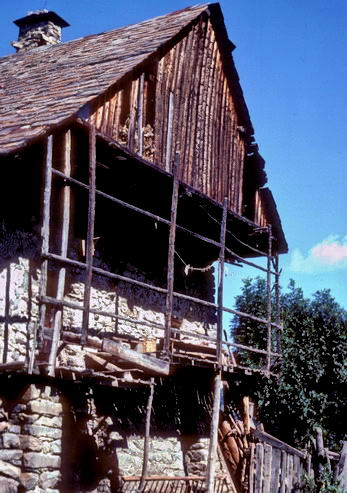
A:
[274,466]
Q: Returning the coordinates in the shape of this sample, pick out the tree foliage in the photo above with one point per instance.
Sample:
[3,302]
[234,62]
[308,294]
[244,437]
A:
[311,389]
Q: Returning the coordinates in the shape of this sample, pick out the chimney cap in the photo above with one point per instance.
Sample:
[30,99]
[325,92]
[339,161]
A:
[41,15]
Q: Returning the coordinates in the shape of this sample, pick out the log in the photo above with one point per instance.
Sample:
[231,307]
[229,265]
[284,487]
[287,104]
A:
[143,361]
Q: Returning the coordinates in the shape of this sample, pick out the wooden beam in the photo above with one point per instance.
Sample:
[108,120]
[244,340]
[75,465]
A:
[143,361]
[90,233]
[63,252]
[212,451]
[98,363]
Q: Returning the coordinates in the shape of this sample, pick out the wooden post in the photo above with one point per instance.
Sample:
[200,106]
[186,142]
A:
[147,439]
[45,239]
[171,254]
[90,234]
[221,282]
[269,307]
[212,451]
[63,252]
[342,468]
[320,455]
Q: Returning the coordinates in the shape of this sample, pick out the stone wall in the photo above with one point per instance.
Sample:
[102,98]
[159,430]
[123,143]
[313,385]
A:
[19,289]
[30,440]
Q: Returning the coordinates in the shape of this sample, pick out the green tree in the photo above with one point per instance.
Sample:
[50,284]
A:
[311,388]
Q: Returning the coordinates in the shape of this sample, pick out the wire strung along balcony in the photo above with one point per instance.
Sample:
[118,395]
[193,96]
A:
[201,348]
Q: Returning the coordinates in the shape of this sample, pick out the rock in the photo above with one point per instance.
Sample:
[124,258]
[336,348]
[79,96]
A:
[28,418]
[45,407]
[49,479]
[29,480]
[42,431]
[31,393]
[12,456]
[33,460]
[55,447]
[54,422]
[28,442]
[9,440]
[8,485]
[13,429]
[9,470]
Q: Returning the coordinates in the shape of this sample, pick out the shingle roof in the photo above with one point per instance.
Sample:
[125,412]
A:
[46,85]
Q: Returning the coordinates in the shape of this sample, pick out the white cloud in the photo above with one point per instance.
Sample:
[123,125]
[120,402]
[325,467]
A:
[329,255]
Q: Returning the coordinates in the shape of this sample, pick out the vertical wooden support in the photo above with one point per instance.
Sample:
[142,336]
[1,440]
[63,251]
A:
[169,132]
[251,468]
[320,454]
[278,304]
[147,439]
[140,96]
[90,234]
[275,470]
[284,482]
[63,252]
[269,306]
[44,239]
[212,451]
[221,282]
[171,254]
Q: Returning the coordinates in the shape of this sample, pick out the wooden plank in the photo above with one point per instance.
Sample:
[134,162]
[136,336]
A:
[98,363]
[267,468]
[212,450]
[251,478]
[144,361]
[275,442]
[290,471]
[140,102]
[275,470]
[283,486]
[259,457]
[65,227]
[90,234]
[169,133]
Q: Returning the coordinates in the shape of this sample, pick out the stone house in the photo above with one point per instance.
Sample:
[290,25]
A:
[133,155]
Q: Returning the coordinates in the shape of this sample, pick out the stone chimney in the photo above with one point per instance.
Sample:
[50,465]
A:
[38,28]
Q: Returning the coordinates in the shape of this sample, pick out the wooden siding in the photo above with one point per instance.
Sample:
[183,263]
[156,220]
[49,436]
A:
[182,102]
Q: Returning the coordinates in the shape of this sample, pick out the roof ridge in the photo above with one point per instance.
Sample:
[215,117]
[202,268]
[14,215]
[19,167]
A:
[38,49]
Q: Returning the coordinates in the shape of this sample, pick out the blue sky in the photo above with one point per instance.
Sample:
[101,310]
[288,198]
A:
[291,58]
